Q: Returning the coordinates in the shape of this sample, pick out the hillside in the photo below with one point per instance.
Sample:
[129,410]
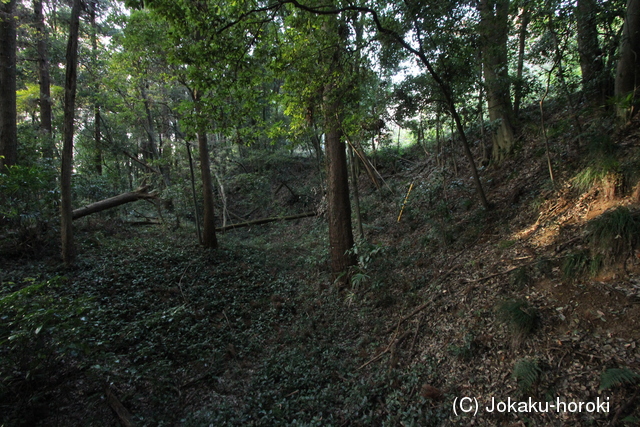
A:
[537,298]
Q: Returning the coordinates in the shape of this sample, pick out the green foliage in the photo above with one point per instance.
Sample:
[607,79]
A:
[365,253]
[519,316]
[39,327]
[611,238]
[506,244]
[602,168]
[576,264]
[614,234]
[526,372]
[543,267]
[615,377]
[28,99]
[601,172]
[520,277]
[467,349]
[28,201]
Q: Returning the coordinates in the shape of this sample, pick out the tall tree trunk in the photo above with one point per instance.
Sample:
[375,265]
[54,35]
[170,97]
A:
[591,64]
[46,114]
[629,62]
[494,29]
[209,239]
[97,159]
[525,18]
[339,205]
[66,226]
[339,209]
[8,124]
[150,148]
[196,215]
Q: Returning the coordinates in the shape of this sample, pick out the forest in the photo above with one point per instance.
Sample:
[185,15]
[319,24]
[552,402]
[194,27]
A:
[319,213]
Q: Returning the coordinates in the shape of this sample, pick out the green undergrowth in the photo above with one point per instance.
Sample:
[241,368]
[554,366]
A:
[184,336]
[611,238]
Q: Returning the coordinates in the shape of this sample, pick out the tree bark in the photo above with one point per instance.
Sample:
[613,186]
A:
[525,18]
[46,115]
[112,202]
[356,194]
[150,148]
[591,64]
[494,30]
[66,216]
[266,221]
[97,158]
[196,215]
[629,62]
[209,239]
[339,205]
[8,124]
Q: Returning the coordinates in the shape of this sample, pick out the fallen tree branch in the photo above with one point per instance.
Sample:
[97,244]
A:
[392,345]
[265,221]
[112,202]
[141,163]
[124,416]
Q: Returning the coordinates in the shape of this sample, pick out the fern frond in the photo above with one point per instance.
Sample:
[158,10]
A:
[526,372]
[617,376]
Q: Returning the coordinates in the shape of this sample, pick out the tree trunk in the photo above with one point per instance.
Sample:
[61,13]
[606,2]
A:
[266,221]
[339,209]
[629,62]
[46,114]
[209,239]
[525,18]
[97,158]
[112,202]
[339,205]
[8,124]
[494,30]
[193,192]
[66,218]
[356,194]
[150,148]
[591,64]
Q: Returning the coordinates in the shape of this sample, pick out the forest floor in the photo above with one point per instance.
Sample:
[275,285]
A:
[530,300]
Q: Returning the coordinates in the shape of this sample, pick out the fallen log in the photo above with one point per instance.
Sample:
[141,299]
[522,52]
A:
[265,220]
[112,202]
[124,416]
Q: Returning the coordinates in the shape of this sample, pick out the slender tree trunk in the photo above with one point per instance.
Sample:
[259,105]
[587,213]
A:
[484,150]
[454,160]
[356,194]
[494,29]
[8,124]
[97,159]
[525,17]
[149,148]
[209,239]
[66,226]
[439,150]
[629,62]
[193,192]
[46,115]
